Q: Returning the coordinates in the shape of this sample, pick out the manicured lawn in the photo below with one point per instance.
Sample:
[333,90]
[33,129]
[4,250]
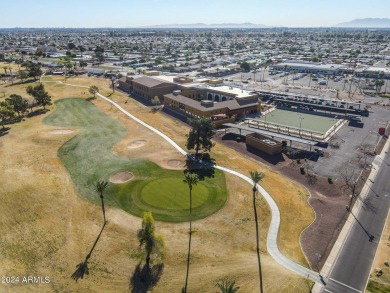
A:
[88,159]
[172,193]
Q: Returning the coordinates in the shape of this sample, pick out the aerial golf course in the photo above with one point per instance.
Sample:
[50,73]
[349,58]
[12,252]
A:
[88,158]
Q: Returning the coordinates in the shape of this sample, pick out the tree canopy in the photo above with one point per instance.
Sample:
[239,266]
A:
[19,104]
[199,137]
[245,66]
[41,97]
[6,112]
[34,69]
[152,243]
[93,89]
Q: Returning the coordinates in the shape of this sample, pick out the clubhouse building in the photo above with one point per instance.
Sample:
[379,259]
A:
[194,98]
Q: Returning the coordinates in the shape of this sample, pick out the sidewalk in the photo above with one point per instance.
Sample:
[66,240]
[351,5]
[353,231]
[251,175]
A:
[332,258]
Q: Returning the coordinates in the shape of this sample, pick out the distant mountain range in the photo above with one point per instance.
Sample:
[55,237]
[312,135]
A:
[366,23]
[204,25]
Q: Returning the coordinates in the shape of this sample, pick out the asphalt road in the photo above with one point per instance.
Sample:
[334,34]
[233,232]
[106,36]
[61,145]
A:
[352,268]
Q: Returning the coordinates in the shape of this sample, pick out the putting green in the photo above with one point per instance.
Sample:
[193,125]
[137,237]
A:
[88,158]
[173,194]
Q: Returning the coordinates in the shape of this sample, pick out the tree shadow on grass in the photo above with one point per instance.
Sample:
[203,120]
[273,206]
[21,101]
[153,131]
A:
[82,268]
[204,167]
[37,112]
[21,82]
[4,131]
[145,277]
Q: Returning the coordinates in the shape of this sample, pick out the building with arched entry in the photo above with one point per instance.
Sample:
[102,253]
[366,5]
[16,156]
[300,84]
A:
[201,97]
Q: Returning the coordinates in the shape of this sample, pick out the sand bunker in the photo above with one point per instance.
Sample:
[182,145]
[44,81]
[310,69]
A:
[61,131]
[121,177]
[176,164]
[136,144]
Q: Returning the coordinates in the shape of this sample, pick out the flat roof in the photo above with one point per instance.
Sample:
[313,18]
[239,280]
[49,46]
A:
[149,81]
[273,134]
[165,78]
[229,104]
[313,65]
[377,69]
[235,91]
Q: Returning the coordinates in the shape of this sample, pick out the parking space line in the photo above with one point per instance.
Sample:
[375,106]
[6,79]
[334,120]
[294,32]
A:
[345,285]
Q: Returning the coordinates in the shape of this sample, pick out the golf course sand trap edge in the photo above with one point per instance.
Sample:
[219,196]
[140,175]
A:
[121,177]
[136,144]
[176,164]
[61,131]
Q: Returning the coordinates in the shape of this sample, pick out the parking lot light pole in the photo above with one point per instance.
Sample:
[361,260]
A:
[300,125]
[300,122]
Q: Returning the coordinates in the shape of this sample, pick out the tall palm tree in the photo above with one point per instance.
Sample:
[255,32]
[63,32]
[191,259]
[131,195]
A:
[191,180]
[264,69]
[294,72]
[82,268]
[257,177]
[100,187]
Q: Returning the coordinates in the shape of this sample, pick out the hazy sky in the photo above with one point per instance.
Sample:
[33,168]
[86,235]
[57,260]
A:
[129,13]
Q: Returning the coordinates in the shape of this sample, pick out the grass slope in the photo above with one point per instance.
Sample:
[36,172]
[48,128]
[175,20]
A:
[88,158]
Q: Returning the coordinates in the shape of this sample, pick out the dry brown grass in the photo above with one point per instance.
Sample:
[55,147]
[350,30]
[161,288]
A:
[47,229]
[14,67]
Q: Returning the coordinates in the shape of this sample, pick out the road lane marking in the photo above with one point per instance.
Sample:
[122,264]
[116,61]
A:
[328,291]
[346,285]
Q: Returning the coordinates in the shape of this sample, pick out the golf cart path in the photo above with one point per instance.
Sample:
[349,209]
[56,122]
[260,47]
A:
[272,247]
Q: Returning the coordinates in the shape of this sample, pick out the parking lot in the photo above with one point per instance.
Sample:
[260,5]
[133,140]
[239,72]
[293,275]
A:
[339,87]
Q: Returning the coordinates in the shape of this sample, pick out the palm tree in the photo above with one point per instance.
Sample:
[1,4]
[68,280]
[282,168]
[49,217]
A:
[227,286]
[294,73]
[100,187]
[82,268]
[10,74]
[264,69]
[191,180]
[286,75]
[256,177]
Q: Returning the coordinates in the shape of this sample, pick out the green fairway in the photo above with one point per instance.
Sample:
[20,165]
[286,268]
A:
[169,192]
[88,158]
[311,122]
